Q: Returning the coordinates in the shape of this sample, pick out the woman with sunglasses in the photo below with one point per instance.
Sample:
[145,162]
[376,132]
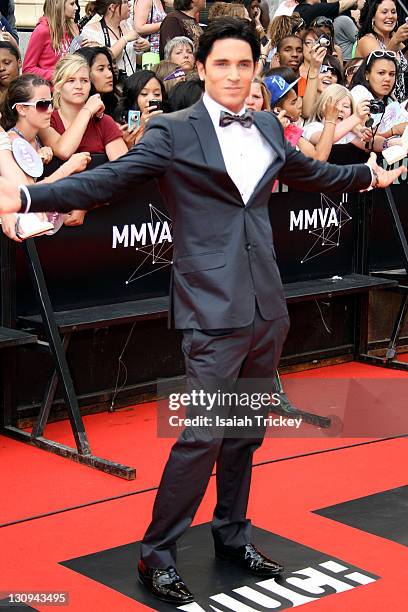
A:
[325,70]
[380,31]
[375,81]
[51,38]
[26,111]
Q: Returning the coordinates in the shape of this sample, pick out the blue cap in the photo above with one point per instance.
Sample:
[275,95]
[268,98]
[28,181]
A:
[278,87]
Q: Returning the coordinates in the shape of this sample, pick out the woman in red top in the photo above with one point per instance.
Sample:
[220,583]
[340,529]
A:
[78,123]
[51,38]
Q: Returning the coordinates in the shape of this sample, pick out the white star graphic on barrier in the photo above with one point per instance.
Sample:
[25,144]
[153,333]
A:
[154,253]
[328,238]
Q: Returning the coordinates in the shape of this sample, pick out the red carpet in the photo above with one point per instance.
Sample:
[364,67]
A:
[127,436]
[36,482]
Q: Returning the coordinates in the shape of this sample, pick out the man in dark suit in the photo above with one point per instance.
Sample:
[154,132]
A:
[215,164]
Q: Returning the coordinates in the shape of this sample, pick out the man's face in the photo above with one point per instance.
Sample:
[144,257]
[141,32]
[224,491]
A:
[228,72]
[291,53]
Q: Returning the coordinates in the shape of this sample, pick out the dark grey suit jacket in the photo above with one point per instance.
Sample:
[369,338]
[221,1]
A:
[223,250]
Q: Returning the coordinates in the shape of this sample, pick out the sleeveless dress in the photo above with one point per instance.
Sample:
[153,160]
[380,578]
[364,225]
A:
[403,67]
[155,16]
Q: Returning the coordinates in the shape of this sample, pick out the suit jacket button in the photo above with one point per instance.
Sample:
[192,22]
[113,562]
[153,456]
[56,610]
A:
[248,246]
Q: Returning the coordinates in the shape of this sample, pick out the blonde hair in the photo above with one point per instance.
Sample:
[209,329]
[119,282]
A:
[64,70]
[336,93]
[54,11]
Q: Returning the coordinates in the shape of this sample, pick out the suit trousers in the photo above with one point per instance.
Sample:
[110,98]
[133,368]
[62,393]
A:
[211,356]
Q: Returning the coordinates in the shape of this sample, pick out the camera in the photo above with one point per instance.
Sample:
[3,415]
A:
[377,107]
[324,41]
[133,119]
[157,103]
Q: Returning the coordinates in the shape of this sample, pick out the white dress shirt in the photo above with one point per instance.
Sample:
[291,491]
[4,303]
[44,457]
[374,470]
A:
[247,155]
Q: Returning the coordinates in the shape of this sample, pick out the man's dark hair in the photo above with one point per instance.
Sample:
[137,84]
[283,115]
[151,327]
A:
[227,27]
[182,5]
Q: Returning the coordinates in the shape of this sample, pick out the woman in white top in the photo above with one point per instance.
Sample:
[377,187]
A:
[109,32]
[375,81]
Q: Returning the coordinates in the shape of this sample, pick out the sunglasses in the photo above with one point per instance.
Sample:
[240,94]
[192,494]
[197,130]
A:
[322,21]
[382,53]
[301,25]
[325,68]
[42,106]
[352,70]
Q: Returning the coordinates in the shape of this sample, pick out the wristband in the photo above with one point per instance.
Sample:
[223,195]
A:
[329,121]
[25,199]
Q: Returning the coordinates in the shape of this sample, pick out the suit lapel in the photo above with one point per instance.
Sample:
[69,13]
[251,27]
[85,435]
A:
[265,126]
[204,128]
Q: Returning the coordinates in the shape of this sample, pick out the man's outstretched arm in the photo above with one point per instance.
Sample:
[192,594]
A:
[151,158]
[304,174]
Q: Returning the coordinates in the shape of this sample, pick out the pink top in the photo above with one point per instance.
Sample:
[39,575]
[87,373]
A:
[40,58]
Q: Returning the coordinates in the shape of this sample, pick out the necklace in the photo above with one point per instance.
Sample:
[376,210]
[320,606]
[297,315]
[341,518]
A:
[20,133]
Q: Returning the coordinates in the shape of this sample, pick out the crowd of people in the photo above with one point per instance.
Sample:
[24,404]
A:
[333,73]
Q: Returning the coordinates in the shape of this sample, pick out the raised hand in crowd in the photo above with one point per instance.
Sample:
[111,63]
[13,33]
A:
[141,45]
[131,136]
[283,119]
[78,162]
[46,154]
[149,112]
[317,55]
[95,105]
[330,111]
[7,37]
[399,37]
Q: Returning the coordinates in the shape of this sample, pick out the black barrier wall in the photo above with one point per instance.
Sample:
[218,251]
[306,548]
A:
[123,252]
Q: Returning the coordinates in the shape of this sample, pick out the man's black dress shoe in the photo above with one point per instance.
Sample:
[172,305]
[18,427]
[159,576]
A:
[251,559]
[165,584]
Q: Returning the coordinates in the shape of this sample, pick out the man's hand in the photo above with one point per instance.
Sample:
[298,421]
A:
[10,200]
[75,218]
[384,177]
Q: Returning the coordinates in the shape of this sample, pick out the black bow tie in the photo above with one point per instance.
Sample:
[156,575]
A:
[246,120]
